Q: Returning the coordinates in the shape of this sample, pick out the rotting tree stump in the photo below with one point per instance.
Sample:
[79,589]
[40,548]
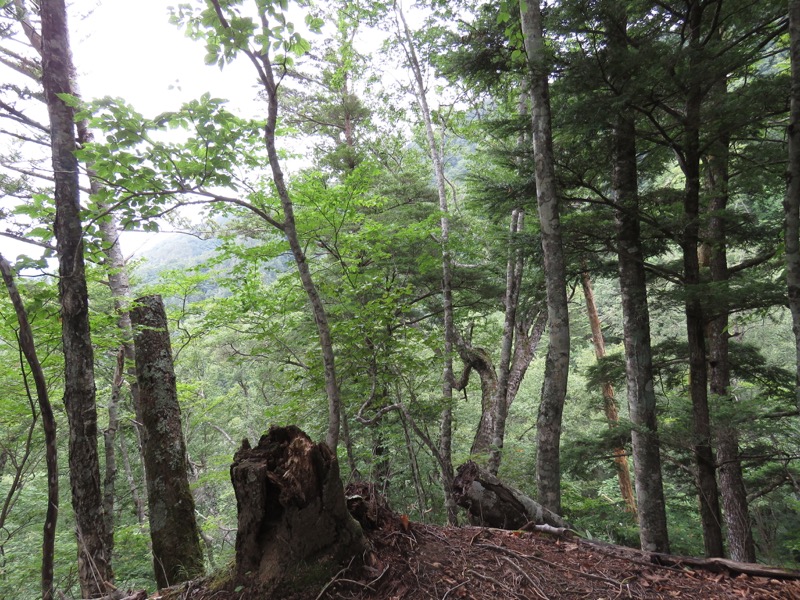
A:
[492,503]
[294,527]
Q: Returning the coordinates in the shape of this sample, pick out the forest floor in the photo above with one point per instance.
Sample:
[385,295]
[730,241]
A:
[412,561]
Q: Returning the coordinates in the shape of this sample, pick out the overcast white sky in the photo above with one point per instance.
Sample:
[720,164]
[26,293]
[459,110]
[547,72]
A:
[129,49]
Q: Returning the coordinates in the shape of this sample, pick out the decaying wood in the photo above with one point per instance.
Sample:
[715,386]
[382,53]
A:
[493,503]
[293,518]
[724,565]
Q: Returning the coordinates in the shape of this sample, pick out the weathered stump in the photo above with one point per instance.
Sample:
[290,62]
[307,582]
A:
[492,503]
[294,526]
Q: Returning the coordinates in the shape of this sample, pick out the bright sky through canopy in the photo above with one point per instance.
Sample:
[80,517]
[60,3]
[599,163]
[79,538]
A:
[129,49]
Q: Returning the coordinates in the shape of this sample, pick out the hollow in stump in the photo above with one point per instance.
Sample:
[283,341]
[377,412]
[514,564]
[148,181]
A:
[294,527]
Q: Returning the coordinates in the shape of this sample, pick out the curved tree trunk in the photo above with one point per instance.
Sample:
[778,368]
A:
[263,65]
[502,402]
[79,395]
[554,389]
[177,554]
[48,424]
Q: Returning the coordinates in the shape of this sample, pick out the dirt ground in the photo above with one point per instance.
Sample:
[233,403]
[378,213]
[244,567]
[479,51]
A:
[411,561]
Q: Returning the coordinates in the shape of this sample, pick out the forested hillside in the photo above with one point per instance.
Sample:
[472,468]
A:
[560,239]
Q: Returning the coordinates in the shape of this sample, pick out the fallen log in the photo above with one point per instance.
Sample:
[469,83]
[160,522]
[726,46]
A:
[492,503]
[294,526]
[723,565]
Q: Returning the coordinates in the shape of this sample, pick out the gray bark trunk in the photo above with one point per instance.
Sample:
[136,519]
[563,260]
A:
[649,486]
[638,355]
[446,422]
[263,65]
[554,389]
[109,444]
[94,567]
[731,481]
[792,201]
[492,503]
[502,401]
[138,505]
[177,554]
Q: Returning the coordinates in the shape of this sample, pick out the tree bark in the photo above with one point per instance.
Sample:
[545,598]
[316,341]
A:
[292,514]
[263,65]
[714,255]
[710,514]
[94,567]
[48,424]
[109,444]
[446,422]
[791,205]
[177,554]
[138,505]
[492,503]
[609,402]
[554,389]
[501,400]
[635,311]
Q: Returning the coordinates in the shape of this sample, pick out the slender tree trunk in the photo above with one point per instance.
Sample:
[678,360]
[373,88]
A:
[714,255]
[554,389]
[177,554]
[48,424]
[263,65]
[138,505]
[446,423]
[710,514]
[609,402]
[79,397]
[791,203]
[118,283]
[109,443]
[415,474]
[502,404]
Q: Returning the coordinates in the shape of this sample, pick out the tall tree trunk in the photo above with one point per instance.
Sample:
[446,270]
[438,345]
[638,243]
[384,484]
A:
[446,423]
[714,255]
[554,389]
[263,65]
[609,402]
[118,283]
[710,514]
[640,386]
[502,404]
[79,397]
[177,554]
[109,444]
[791,203]
[48,424]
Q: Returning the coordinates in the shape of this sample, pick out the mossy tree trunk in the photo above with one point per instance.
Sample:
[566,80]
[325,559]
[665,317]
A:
[177,554]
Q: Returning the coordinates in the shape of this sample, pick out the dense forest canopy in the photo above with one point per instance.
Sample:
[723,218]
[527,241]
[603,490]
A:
[559,239]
